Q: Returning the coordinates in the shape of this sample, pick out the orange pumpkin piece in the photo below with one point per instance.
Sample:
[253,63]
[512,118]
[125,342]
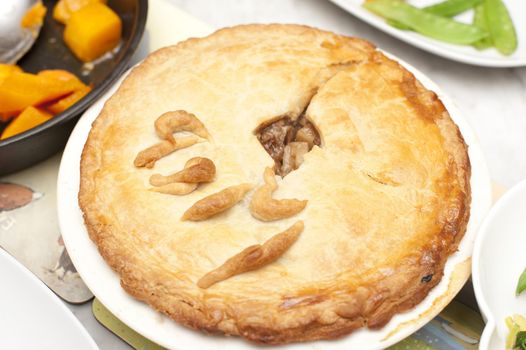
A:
[61,12]
[28,119]
[6,116]
[7,69]
[92,31]
[62,75]
[68,101]
[64,8]
[20,90]
[34,17]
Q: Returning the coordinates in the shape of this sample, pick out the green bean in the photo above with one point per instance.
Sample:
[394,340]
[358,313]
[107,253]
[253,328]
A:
[479,20]
[500,26]
[448,8]
[433,26]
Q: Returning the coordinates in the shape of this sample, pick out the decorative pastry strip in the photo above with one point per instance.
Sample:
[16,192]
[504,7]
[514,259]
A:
[148,157]
[196,170]
[216,203]
[254,257]
[176,188]
[180,120]
[265,208]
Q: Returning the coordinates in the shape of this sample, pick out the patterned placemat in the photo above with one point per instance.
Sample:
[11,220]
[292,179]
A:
[29,229]
[458,327]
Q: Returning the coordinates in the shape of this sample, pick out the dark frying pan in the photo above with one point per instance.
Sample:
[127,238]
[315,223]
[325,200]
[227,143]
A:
[50,52]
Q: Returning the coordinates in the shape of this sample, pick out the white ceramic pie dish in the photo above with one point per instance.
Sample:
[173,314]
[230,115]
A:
[465,54]
[498,260]
[104,283]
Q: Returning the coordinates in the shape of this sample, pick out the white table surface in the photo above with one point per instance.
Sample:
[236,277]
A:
[493,100]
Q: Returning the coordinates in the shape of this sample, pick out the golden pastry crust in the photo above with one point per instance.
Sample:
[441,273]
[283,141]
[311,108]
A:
[388,190]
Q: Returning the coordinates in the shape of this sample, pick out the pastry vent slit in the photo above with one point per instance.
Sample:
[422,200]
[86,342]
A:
[383,179]
[289,137]
[287,141]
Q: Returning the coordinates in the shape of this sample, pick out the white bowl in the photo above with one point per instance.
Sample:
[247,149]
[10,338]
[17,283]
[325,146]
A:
[499,258]
[460,53]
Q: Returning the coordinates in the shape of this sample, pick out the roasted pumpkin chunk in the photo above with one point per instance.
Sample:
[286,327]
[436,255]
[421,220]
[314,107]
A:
[7,69]
[64,8]
[21,90]
[28,119]
[92,31]
[34,17]
[68,101]
[62,75]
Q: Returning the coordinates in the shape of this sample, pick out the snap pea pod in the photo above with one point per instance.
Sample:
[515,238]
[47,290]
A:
[448,8]
[397,24]
[521,285]
[479,20]
[500,26]
[428,24]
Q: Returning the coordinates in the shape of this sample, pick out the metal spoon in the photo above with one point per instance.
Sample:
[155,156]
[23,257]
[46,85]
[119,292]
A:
[15,40]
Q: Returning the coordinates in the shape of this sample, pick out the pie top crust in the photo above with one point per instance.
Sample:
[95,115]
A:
[387,190]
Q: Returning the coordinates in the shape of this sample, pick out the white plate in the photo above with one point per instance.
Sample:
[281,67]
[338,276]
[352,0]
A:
[104,283]
[498,260]
[466,54]
[32,316]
